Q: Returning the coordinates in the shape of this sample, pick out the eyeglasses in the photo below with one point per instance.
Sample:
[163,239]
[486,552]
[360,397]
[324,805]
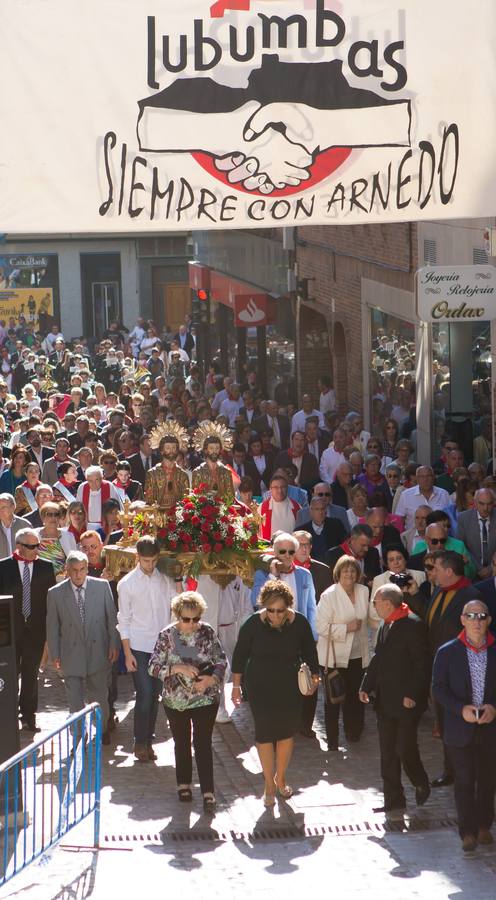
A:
[436,541]
[190,619]
[51,515]
[326,494]
[290,552]
[428,567]
[29,546]
[276,612]
[478,617]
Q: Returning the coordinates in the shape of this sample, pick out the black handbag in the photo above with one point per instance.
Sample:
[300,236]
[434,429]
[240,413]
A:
[334,686]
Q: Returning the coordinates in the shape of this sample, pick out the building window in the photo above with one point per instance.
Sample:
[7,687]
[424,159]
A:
[430,253]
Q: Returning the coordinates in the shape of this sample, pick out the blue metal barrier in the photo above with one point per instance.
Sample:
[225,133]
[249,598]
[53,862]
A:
[48,788]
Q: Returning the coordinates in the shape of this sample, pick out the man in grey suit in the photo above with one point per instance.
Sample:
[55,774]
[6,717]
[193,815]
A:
[477,529]
[82,635]
[9,525]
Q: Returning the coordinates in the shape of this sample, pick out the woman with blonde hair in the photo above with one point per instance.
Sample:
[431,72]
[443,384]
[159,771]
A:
[270,648]
[191,663]
[342,620]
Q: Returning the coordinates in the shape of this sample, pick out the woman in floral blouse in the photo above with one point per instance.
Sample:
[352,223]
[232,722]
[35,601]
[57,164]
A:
[190,661]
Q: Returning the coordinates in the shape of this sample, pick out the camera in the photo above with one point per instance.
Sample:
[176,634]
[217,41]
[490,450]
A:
[403,579]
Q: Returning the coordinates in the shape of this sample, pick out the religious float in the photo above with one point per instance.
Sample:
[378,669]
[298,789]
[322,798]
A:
[201,530]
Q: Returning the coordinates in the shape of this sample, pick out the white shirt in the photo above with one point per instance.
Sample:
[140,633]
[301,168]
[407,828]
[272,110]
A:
[230,409]
[299,419]
[274,424]
[329,462]
[144,607]
[290,580]
[327,401]
[82,588]
[260,463]
[183,356]
[313,448]
[283,517]
[8,537]
[21,563]
[411,499]
[219,397]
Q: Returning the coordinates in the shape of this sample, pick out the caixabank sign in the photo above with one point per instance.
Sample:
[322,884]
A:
[135,115]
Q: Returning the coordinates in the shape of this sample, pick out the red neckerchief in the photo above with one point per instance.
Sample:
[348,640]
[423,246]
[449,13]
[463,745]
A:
[122,486]
[487,643]
[347,549]
[31,487]
[77,534]
[303,565]
[67,484]
[461,583]
[400,613]
[16,555]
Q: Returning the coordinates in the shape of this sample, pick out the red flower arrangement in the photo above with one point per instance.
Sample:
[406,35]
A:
[203,523]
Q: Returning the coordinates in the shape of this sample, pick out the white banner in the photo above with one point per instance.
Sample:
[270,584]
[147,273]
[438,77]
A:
[139,115]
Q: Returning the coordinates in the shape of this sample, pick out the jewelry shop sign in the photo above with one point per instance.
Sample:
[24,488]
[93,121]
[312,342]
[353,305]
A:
[148,115]
[456,293]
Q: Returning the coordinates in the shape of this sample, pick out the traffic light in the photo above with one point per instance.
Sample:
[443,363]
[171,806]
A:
[203,300]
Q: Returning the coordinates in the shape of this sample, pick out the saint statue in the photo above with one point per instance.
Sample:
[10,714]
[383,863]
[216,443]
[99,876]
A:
[211,439]
[167,482]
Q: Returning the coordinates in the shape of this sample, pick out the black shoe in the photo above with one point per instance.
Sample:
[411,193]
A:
[444,780]
[395,806]
[422,794]
[209,803]
[185,795]
[308,733]
[29,724]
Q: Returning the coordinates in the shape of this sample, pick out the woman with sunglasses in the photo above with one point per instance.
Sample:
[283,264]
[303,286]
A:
[270,648]
[54,543]
[76,515]
[190,661]
[342,619]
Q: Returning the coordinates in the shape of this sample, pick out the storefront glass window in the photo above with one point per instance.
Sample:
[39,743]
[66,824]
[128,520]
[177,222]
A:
[392,376]
[461,378]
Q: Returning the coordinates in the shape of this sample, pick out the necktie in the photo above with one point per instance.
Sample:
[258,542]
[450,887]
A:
[238,470]
[384,632]
[147,463]
[485,555]
[80,603]
[26,592]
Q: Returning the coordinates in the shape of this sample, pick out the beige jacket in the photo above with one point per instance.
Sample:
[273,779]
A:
[335,610]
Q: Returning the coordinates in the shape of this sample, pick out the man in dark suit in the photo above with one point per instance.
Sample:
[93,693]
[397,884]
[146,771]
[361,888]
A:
[185,340]
[342,484]
[442,617]
[358,545]
[305,462]
[464,685]
[37,452]
[317,440]
[144,460]
[398,678]
[477,529]
[487,590]
[321,574]
[249,411]
[280,426]
[28,579]
[325,532]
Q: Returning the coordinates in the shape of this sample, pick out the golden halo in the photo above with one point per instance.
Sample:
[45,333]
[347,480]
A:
[212,430]
[171,430]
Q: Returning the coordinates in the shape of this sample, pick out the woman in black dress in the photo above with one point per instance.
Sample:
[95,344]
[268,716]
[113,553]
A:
[270,648]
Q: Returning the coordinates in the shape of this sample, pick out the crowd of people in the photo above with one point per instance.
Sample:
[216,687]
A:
[376,571]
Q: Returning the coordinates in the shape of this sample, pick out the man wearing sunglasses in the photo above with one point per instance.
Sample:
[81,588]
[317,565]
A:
[28,579]
[464,685]
[437,538]
[442,617]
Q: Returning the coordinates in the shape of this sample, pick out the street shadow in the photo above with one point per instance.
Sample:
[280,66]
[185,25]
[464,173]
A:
[184,844]
[279,854]
[82,885]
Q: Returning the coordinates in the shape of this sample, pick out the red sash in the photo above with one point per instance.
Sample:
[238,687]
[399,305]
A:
[104,495]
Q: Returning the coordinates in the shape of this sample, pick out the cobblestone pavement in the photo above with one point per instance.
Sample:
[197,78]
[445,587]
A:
[326,833]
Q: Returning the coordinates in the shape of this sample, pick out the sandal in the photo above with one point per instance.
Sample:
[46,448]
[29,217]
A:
[185,795]
[285,792]
[269,800]
[209,803]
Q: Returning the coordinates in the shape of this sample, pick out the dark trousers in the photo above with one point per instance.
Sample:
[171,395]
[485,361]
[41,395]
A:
[353,710]
[399,747]
[29,650]
[147,696]
[448,766]
[475,784]
[309,705]
[202,720]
